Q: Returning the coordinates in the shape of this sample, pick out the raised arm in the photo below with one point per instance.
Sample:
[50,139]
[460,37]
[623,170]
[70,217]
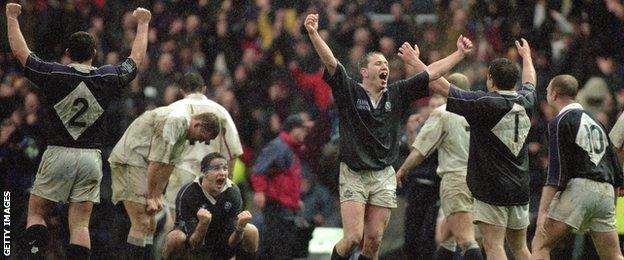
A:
[16,39]
[437,69]
[139,47]
[528,71]
[327,57]
[443,66]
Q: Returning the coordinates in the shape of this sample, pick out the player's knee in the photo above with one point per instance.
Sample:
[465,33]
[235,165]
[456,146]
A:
[175,238]
[251,238]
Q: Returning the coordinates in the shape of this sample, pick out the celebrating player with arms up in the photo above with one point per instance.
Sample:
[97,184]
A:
[370,116]
[498,158]
[77,96]
[584,175]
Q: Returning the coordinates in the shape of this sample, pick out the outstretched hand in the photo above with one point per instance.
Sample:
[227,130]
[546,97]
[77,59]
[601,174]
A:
[13,10]
[523,48]
[408,54]
[464,45]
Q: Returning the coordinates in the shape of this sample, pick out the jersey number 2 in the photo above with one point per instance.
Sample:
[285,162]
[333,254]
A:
[82,110]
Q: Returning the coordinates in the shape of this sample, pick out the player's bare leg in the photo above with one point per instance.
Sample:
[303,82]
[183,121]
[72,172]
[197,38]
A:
[493,241]
[607,244]
[78,219]
[375,222]
[142,226]
[547,237]
[460,224]
[353,229]
[516,238]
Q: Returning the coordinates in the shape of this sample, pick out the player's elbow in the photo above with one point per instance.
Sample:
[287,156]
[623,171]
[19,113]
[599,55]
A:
[137,58]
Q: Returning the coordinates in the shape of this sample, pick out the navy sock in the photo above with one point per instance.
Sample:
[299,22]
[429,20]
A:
[336,256]
[76,252]
[35,241]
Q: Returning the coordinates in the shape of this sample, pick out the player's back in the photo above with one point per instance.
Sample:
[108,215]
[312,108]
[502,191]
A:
[580,148]
[498,157]
[77,96]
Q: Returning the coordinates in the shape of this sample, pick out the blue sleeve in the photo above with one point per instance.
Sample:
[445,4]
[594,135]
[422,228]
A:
[124,72]
[186,215]
[556,175]
[413,88]
[38,71]
[528,91]
[464,103]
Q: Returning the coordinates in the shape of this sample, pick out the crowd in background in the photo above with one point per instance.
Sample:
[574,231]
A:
[259,64]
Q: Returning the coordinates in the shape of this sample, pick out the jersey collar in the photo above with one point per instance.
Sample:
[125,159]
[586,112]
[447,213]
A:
[507,92]
[196,96]
[370,95]
[570,106]
[81,67]
[213,200]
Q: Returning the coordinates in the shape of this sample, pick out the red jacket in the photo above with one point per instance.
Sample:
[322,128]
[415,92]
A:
[277,171]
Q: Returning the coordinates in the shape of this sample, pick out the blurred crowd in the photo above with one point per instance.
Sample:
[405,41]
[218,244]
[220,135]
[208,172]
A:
[259,64]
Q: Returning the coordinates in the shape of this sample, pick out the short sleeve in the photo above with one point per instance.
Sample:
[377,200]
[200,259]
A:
[431,134]
[186,215]
[126,72]
[37,70]
[165,146]
[617,133]
[339,80]
[464,103]
[414,87]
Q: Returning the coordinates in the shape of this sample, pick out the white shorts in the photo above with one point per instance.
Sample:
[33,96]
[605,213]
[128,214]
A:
[69,175]
[585,205]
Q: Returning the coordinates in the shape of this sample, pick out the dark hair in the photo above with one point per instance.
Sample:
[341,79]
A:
[363,63]
[192,81]
[210,122]
[504,73]
[81,47]
[565,85]
[292,121]
[208,158]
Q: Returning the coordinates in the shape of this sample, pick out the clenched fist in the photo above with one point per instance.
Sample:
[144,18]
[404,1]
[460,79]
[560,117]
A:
[142,15]
[243,218]
[464,45]
[13,10]
[204,216]
[311,23]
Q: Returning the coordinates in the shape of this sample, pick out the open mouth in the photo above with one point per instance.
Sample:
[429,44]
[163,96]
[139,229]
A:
[383,75]
[220,181]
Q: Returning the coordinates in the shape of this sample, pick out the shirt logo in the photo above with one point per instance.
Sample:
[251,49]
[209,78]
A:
[388,107]
[362,105]
[348,194]
[227,206]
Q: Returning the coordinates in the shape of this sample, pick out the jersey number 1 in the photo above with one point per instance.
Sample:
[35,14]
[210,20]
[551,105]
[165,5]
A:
[82,110]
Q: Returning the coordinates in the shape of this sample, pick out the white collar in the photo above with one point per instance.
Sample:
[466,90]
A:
[370,95]
[196,96]
[570,106]
[507,92]
[81,67]
[213,201]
